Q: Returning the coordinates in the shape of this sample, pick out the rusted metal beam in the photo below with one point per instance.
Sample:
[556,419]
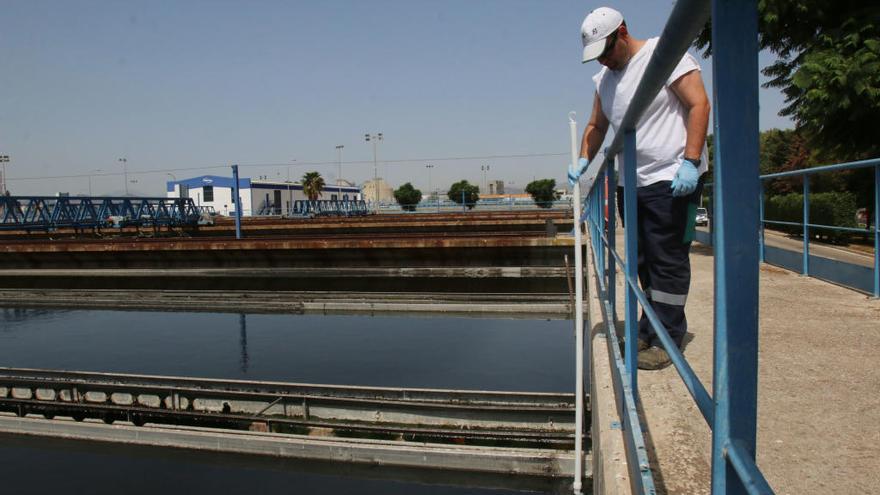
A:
[296,243]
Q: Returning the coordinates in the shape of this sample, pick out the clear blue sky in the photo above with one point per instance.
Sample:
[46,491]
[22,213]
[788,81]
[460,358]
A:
[174,85]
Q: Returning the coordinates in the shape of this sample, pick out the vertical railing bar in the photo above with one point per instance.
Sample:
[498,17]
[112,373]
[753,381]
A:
[600,201]
[612,238]
[630,212]
[806,226]
[735,377]
[761,250]
[876,230]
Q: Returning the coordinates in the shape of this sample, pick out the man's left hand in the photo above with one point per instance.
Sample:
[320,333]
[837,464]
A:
[685,181]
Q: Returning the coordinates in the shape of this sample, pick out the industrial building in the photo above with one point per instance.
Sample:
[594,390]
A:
[257,196]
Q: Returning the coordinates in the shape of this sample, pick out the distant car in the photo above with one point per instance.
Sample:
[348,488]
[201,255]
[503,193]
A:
[702,216]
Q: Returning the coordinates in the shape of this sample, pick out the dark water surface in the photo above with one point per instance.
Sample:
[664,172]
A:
[466,353]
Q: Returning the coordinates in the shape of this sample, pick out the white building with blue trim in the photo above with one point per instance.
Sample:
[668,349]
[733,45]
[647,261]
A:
[258,197]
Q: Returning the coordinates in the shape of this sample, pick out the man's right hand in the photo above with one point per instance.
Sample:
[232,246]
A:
[575,171]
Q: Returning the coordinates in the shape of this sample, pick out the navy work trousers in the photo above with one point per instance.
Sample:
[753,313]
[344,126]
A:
[665,231]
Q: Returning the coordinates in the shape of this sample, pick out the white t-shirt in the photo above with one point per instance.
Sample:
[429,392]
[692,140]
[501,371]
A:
[661,133]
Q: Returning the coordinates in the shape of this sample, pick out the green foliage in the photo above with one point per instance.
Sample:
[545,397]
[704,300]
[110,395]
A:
[543,192]
[828,69]
[471,193]
[836,209]
[775,148]
[313,185]
[781,151]
[407,197]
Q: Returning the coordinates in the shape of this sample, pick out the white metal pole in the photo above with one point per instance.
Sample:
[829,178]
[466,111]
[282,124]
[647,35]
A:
[376,174]
[3,160]
[579,316]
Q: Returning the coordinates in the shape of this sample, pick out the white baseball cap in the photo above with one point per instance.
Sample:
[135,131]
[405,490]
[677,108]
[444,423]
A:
[598,25]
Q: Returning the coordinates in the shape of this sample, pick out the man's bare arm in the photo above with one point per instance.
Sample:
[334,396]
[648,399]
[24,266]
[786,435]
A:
[595,131]
[690,90]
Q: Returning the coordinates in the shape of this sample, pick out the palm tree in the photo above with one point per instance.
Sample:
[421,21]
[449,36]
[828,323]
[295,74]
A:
[313,184]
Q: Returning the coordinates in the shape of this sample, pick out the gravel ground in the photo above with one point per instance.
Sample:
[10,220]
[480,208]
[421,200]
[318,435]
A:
[819,389]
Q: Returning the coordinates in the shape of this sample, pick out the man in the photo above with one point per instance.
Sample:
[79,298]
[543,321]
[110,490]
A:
[670,159]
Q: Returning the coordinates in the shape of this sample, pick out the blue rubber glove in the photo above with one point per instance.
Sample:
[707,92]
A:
[685,181]
[574,173]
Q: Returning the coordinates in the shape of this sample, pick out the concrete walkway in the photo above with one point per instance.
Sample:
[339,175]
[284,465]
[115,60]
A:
[819,388]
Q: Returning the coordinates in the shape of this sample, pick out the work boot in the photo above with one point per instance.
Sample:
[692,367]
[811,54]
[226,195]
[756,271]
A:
[653,358]
[642,345]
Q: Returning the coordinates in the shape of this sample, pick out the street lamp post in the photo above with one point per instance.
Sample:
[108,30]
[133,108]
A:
[339,148]
[124,162]
[485,168]
[429,167]
[375,140]
[4,159]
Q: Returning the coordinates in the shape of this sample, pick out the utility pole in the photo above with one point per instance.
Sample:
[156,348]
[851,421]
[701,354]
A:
[485,168]
[124,162]
[339,148]
[375,140]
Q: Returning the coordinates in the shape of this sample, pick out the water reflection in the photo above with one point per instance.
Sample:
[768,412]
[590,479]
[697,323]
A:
[465,353]
[10,317]
[242,341]
[458,353]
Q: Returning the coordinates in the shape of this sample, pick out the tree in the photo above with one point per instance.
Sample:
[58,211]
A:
[828,68]
[313,185]
[408,197]
[543,192]
[471,193]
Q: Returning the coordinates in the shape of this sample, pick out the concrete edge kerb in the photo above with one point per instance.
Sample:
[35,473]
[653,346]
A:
[610,469]
[510,461]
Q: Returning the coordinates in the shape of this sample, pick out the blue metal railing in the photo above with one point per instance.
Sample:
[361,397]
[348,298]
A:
[840,272]
[317,208]
[806,225]
[731,412]
[52,212]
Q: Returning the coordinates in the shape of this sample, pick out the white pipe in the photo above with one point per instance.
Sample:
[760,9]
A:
[578,317]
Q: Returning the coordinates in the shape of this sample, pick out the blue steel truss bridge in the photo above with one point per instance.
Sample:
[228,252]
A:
[47,213]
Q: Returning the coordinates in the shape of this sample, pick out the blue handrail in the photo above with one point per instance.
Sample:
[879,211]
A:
[840,272]
[731,412]
[806,225]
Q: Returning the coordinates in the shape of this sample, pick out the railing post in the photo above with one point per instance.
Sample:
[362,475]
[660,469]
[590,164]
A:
[611,282]
[806,269]
[735,378]
[876,230]
[598,206]
[237,198]
[630,224]
[761,220]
